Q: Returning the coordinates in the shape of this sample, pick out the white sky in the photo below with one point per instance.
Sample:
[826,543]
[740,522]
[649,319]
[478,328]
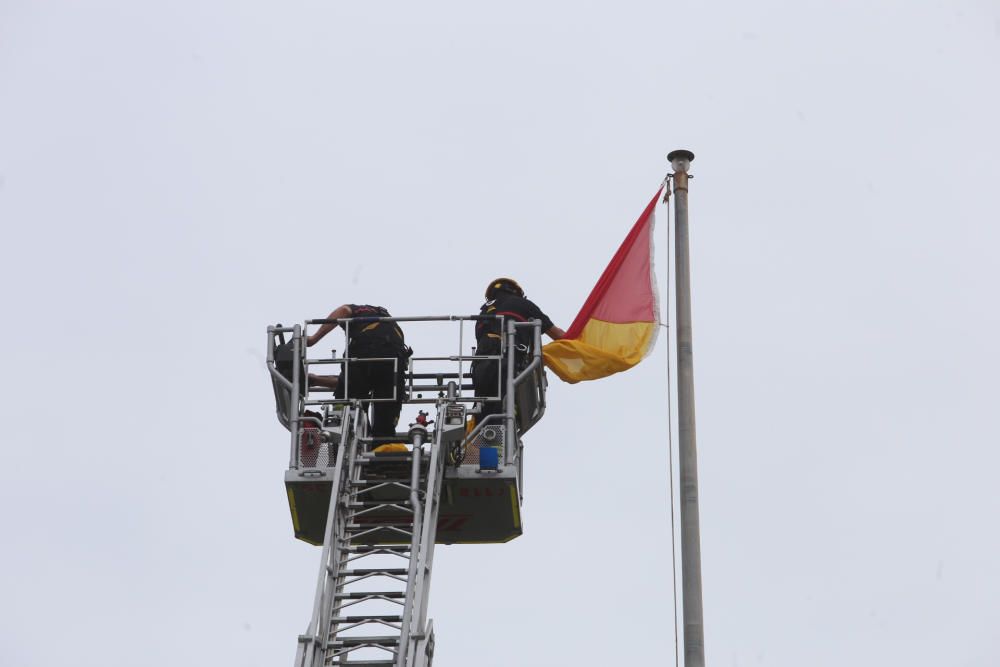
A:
[176,176]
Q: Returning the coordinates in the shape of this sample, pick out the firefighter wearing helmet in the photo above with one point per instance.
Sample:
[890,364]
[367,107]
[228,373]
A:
[503,297]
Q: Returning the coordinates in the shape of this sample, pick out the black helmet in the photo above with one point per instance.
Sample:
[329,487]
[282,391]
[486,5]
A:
[503,285]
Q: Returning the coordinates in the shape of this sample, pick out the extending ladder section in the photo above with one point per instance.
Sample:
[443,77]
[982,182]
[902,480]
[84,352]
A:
[374,579]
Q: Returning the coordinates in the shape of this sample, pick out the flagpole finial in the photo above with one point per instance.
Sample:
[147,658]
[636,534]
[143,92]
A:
[680,159]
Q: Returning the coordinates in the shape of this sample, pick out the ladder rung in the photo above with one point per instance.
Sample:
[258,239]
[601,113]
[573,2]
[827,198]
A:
[384,640]
[356,595]
[364,504]
[380,524]
[372,514]
[395,457]
[362,619]
[365,483]
[375,570]
[368,548]
[370,663]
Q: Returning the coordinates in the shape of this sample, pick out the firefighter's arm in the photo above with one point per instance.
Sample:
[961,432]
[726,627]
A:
[328,381]
[338,313]
[555,333]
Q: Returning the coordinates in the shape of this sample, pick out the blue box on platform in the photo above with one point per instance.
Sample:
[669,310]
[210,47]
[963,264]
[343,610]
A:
[489,458]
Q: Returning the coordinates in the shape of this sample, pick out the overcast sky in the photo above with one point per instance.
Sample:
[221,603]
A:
[175,176]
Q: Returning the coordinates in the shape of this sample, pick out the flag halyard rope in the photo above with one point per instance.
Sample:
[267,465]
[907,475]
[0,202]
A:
[670,429]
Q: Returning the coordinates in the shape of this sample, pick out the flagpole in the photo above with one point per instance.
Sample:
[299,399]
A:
[694,633]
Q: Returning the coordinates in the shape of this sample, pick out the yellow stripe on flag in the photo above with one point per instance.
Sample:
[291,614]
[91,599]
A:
[602,349]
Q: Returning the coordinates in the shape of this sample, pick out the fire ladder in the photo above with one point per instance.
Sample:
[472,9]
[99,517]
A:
[371,598]
[379,516]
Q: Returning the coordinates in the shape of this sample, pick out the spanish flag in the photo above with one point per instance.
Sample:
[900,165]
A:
[616,328]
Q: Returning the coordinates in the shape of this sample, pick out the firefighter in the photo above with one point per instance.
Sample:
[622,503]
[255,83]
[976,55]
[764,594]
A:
[504,297]
[369,339]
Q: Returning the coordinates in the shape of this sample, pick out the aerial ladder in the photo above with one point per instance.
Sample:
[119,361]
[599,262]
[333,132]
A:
[378,516]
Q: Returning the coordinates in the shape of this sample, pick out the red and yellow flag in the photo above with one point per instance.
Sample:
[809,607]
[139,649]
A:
[617,326]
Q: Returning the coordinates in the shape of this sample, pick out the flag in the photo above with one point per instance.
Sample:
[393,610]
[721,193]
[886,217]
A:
[617,326]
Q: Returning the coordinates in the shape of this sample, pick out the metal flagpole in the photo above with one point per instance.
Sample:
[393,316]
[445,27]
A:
[694,633]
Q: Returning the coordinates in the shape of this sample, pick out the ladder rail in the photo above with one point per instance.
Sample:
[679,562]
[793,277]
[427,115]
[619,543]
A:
[418,515]
[417,631]
[345,514]
[311,638]
[424,652]
[330,560]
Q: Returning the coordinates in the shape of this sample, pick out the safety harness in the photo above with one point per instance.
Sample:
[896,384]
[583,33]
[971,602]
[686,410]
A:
[375,338]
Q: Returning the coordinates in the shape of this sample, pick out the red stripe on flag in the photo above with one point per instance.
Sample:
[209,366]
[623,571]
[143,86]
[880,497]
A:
[624,293]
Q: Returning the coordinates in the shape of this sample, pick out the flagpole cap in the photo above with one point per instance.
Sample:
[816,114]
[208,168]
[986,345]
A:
[680,159]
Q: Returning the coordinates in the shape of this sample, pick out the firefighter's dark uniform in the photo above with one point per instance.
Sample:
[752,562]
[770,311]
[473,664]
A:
[375,379]
[485,373]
